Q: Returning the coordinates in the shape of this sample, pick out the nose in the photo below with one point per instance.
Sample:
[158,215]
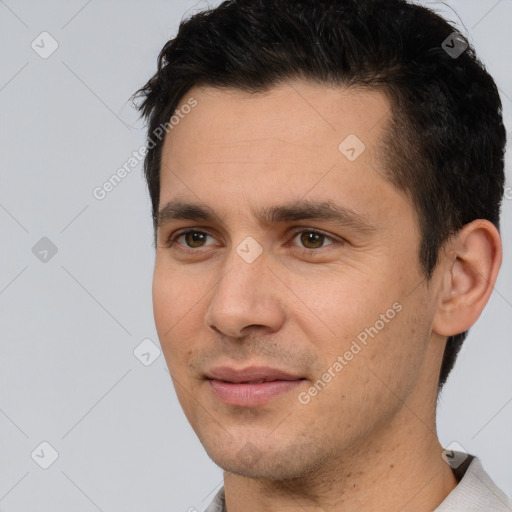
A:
[246,295]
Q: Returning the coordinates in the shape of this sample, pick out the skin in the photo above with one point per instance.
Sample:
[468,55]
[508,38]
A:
[367,440]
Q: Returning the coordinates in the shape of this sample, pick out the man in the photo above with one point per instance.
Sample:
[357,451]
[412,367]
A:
[326,207]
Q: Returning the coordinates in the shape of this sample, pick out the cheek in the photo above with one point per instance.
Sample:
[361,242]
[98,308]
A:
[395,353]
[371,320]
[174,293]
[376,376]
[344,305]
[164,303]
[175,310]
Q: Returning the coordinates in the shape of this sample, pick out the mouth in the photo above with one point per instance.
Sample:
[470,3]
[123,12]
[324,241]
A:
[251,387]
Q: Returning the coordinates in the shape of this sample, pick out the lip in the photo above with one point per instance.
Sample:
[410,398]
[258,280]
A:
[252,386]
[250,375]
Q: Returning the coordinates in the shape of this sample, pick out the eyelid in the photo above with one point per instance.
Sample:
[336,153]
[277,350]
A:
[174,236]
[171,240]
[331,238]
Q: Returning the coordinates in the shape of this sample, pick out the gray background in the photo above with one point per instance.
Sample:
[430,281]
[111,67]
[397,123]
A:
[70,324]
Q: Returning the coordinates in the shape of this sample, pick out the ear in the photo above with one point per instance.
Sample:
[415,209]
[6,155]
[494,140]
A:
[470,267]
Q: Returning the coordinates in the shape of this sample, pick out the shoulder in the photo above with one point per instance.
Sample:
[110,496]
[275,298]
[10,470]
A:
[475,492]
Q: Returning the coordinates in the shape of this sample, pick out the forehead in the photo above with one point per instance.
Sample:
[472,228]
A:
[296,116]
[295,140]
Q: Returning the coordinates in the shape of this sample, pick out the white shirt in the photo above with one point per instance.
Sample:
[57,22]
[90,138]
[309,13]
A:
[475,492]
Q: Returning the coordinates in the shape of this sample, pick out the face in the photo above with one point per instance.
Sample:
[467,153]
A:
[287,292]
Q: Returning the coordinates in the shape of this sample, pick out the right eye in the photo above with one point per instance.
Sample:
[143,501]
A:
[192,237]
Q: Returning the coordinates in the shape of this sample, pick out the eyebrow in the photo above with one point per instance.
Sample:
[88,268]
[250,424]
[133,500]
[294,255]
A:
[267,216]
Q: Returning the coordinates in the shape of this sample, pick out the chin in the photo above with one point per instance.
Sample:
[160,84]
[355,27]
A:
[285,464]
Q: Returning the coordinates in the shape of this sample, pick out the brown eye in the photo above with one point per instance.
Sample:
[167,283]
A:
[310,239]
[195,238]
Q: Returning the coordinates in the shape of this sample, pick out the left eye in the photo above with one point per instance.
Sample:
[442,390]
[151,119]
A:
[312,239]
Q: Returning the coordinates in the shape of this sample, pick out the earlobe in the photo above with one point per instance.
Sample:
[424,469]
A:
[471,265]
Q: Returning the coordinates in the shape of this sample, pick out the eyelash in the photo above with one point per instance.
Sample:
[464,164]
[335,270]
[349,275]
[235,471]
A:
[172,240]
